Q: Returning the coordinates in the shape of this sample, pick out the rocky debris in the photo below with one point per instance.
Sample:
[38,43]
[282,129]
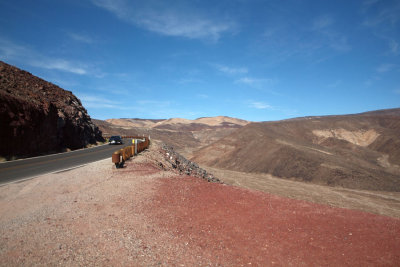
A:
[38,117]
[183,165]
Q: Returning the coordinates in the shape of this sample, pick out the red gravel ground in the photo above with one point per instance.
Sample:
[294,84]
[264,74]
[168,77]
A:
[143,216]
[224,225]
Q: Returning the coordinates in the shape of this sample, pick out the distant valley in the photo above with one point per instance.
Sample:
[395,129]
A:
[184,135]
[359,151]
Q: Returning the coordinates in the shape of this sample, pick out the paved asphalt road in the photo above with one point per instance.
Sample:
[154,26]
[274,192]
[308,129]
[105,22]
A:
[27,168]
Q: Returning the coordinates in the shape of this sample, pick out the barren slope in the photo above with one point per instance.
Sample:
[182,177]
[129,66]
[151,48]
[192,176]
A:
[355,151]
[185,135]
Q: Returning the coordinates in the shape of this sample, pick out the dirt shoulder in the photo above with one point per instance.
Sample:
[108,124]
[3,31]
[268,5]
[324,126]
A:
[145,215]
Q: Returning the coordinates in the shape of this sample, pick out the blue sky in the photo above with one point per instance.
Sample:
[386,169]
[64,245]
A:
[251,59]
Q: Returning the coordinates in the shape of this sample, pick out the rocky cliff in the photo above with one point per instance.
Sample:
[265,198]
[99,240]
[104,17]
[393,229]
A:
[38,117]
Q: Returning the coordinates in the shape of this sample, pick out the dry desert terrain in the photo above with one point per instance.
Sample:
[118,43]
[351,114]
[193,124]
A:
[144,215]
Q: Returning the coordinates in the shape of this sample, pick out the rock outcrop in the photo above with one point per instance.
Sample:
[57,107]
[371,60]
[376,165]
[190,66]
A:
[179,163]
[38,117]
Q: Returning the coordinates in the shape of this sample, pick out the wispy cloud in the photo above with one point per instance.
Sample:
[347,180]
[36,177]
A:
[394,47]
[253,81]
[202,96]
[231,70]
[80,38]
[323,26]
[95,101]
[15,52]
[385,67]
[10,49]
[170,20]
[58,64]
[259,105]
[173,24]
[397,92]
[381,12]
[315,41]
[383,17]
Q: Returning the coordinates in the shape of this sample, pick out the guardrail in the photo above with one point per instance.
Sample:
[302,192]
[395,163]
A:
[120,156]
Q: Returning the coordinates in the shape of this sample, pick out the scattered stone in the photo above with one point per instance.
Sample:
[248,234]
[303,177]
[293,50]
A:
[185,166]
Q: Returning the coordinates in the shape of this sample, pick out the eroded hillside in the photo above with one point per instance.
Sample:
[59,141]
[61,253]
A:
[354,151]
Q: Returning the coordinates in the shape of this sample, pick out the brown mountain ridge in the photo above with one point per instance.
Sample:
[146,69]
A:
[360,151]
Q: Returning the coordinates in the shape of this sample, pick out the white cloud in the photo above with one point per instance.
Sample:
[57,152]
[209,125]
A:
[117,7]
[254,81]
[58,64]
[259,105]
[174,24]
[231,70]
[80,38]
[247,80]
[385,67]
[170,20]
[15,52]
[95,101]
[202,96]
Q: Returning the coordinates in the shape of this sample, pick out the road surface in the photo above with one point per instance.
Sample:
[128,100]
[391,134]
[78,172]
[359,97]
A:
[31,167]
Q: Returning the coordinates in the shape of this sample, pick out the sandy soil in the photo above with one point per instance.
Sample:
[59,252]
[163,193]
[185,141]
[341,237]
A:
[143,216]
[378,202]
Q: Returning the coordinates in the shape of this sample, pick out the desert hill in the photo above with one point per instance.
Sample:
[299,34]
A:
[360,151]
[141,123]
[179,123]
[185,135]
[38,117]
